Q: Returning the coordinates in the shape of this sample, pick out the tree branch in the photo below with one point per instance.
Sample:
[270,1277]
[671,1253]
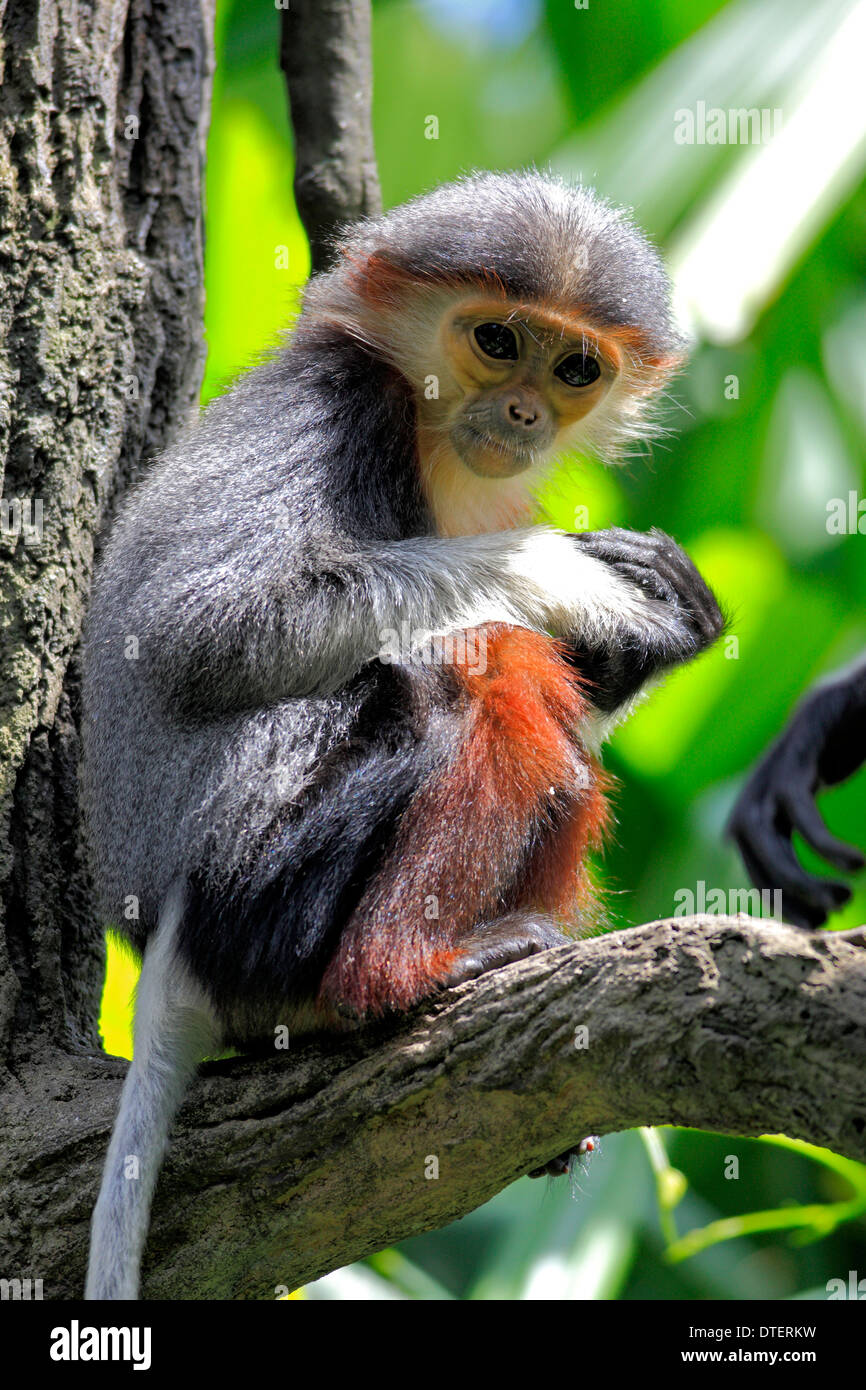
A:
[325,55]
[284,1168]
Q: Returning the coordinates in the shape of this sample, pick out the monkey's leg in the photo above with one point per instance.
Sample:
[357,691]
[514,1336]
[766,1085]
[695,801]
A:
[174,1030]
[491,847]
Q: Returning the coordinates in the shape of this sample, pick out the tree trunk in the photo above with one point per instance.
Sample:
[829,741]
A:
[103,117]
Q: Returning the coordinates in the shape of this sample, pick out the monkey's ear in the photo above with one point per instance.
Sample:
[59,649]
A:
[631,345]
[377,277]
[657,369]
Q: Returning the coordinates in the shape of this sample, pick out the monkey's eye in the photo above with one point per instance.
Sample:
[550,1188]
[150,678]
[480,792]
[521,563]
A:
[496,340]
[580,369]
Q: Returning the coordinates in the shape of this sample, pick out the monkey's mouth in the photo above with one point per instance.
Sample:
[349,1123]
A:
[490,456]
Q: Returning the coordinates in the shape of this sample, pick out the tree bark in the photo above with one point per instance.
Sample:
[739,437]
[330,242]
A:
[103,117]
[283,1169]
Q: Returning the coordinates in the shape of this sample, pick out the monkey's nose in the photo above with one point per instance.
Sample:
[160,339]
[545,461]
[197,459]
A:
[522,414]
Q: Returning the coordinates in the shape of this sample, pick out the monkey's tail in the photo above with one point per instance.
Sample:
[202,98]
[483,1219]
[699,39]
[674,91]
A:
[174,1029]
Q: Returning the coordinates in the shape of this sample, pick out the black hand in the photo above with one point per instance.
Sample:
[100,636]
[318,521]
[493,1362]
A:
[692,620]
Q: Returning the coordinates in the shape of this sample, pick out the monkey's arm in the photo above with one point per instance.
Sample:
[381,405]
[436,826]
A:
[223,637]
[824,743]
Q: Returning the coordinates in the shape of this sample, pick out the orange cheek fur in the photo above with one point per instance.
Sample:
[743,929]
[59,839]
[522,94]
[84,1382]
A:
[506,825]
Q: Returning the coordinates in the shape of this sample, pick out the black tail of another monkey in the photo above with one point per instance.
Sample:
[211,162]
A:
[174,1030]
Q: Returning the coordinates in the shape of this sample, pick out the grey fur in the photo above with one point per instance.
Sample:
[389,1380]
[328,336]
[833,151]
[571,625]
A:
[256,582]
[238,729]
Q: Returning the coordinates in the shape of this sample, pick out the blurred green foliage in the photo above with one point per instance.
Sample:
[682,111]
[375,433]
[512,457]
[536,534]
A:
[769,424]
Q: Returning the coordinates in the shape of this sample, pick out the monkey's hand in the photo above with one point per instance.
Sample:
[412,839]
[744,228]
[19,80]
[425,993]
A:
[685,617]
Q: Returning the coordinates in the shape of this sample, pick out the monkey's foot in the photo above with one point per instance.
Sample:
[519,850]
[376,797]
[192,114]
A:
[563,1163]
[499,943]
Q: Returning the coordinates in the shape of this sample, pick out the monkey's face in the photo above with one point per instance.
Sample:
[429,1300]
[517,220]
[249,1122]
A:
[518,380]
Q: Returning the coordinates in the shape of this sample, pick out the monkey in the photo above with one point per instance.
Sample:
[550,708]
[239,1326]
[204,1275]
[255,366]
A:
[343,696]
[823,744]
